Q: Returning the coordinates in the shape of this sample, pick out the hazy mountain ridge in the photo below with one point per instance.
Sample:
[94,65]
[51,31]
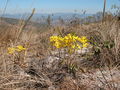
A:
[41,15]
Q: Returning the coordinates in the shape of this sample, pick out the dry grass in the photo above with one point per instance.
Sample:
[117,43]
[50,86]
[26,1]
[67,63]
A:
[33,69]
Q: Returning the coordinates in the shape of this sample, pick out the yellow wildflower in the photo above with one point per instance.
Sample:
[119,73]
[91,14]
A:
[82,39]
[53,38]
[75,37]
[78,46]
[73,46]
[11,50]
[20,48]
[85,45]
[69,41]
[57,44]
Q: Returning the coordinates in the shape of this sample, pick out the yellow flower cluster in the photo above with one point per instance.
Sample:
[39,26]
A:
[69,41]
[18,48]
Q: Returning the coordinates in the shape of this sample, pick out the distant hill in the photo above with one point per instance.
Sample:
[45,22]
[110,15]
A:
[6,22]
[39,21]
[41,15]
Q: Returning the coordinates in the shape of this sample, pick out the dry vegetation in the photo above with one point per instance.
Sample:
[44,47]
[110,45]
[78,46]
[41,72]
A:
[41,67]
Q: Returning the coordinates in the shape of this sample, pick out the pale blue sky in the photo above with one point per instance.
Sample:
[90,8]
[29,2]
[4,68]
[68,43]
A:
[55,6]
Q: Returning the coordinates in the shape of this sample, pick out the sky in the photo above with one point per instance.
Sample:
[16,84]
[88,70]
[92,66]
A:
[55,6]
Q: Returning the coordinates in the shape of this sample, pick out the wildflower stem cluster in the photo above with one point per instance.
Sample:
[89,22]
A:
[17,48]
[71,42]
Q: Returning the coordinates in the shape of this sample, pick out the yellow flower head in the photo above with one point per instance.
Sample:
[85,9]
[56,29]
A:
[11,50]
[85,44]
[73,46]
[57,44]
[82,40]
[75,37]
[53,38]
[78,46]
[56,41]
[20,48]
